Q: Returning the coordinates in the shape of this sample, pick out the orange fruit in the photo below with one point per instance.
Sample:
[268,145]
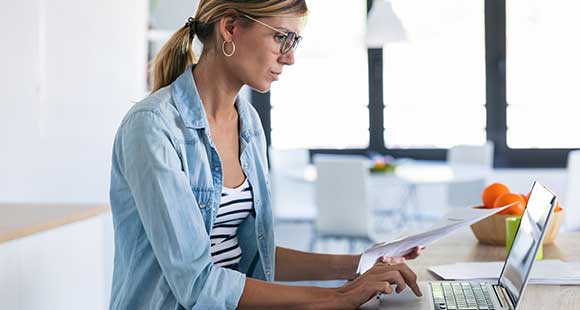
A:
[492,192]
[526,198]
[509,198]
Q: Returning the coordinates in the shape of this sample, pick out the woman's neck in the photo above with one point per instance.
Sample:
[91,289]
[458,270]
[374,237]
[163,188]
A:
[217,89]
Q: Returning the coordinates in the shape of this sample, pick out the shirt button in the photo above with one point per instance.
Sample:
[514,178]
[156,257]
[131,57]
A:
[268,272]
[202,205]
[261,237]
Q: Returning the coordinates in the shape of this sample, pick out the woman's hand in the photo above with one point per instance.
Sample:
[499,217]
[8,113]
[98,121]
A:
[415,253]
[378,279]
[401,259]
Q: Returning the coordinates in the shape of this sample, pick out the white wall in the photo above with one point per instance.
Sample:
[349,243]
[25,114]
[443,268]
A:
[171,14]
[70,70]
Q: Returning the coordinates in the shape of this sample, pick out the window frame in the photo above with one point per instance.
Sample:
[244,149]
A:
[496,101]
[496,106]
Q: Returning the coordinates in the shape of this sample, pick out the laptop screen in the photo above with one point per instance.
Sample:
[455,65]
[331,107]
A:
[527,240]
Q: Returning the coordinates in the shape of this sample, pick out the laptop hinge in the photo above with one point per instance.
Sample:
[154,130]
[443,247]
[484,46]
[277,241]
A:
[503,297]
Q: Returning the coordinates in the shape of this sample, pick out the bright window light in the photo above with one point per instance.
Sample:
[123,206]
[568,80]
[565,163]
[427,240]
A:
[434,81]
[543,72]
[321,101]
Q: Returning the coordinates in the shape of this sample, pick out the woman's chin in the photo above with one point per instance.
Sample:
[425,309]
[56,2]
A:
[262,88]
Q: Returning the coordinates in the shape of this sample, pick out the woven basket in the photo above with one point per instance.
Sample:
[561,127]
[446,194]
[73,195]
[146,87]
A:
[491,230]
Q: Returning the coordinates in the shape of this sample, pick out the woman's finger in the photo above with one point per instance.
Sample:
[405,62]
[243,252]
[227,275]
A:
[395,277]
[393,260]
[415,253]
[409,277]
[380,287]
[386,288]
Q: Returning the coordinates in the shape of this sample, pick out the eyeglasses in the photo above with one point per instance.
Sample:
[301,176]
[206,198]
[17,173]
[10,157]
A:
[289,41]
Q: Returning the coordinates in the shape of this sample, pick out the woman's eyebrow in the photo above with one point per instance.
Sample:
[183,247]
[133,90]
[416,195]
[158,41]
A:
[280,28]
[283,29]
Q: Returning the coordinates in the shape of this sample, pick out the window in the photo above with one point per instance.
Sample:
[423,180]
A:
[437,89]
[543,70]
[434,81]
[321,101]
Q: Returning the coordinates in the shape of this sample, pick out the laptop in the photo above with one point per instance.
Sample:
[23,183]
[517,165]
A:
[507,292]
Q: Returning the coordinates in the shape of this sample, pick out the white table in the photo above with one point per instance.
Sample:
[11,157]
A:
[439,172]
[409,174]
[415,173]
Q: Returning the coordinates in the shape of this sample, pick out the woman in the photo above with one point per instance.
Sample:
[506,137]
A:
[189,185]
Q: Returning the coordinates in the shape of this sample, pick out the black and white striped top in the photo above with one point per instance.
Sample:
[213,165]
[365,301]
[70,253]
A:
[236,204]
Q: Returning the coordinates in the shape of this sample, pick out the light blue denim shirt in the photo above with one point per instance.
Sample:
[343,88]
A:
[166,183]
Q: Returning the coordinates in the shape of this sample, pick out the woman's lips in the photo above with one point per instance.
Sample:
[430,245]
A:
[275,75]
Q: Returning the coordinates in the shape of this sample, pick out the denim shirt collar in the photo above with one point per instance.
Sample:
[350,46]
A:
[188,103]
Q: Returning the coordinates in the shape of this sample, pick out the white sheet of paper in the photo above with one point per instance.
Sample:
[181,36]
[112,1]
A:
[551,271]
[452,221]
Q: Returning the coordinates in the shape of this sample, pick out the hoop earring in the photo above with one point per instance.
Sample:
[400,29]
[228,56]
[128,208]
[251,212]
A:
[224,49]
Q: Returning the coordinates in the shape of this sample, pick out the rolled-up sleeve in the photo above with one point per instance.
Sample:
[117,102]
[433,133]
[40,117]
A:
[171,217]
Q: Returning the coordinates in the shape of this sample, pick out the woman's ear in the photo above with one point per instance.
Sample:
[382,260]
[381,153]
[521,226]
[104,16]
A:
[228,25]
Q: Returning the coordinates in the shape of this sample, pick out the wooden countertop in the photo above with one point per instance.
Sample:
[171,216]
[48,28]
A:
[21,220]
[463,247]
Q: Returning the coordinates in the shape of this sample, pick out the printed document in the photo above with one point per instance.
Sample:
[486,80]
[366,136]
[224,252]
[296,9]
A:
[452,221]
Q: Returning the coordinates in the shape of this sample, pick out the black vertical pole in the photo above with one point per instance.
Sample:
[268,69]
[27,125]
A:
[376,105]
[495,60]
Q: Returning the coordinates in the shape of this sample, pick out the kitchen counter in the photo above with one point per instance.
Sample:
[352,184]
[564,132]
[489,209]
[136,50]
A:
[22,220]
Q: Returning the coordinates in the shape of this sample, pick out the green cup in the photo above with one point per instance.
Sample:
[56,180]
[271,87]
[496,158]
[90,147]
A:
[511,227]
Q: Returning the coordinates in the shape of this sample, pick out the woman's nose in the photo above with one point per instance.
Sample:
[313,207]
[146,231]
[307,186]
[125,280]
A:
[288,58]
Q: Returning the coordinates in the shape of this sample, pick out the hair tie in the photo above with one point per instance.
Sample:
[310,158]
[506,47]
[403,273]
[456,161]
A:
[192,24]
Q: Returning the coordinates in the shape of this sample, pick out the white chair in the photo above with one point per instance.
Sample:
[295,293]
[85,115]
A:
[572,204]
[389,195]
[292,197]
[342,200]
[468,193]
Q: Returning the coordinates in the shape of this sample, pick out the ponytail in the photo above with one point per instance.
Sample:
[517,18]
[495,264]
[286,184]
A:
[175,56]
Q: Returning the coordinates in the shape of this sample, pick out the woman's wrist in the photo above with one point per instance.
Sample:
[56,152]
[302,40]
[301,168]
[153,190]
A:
[354,260]
[345,266]
[332,298]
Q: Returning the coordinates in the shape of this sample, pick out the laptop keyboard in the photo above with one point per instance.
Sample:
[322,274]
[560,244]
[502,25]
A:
[460,296]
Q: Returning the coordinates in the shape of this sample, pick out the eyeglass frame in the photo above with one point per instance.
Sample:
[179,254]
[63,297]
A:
[286,35]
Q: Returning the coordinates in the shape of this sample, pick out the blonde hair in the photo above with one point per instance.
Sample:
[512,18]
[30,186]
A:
[177,53]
